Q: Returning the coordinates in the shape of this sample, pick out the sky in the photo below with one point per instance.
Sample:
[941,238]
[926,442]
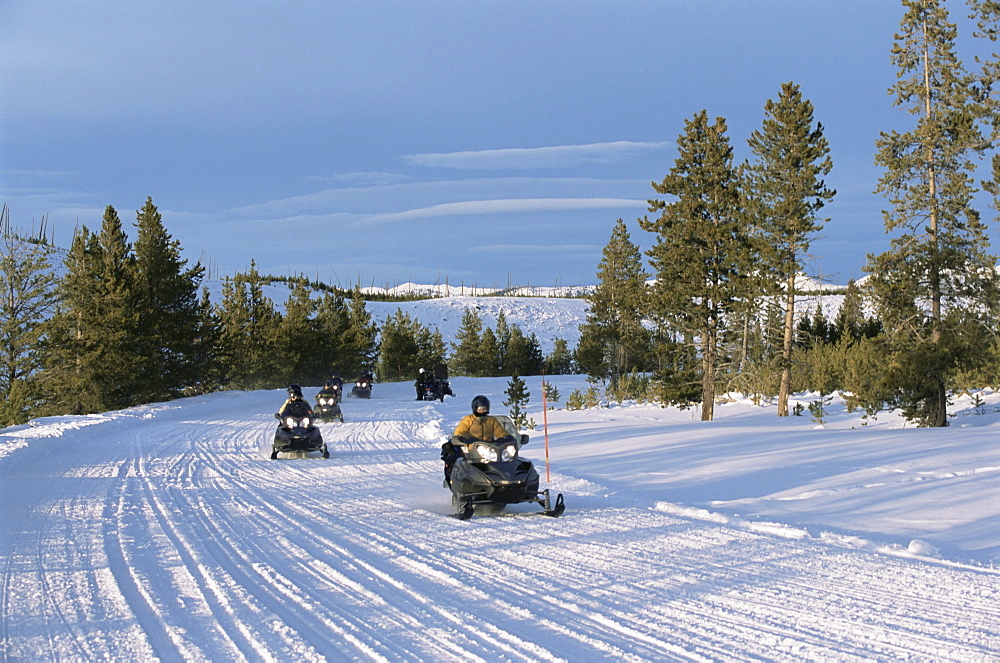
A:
[382,142]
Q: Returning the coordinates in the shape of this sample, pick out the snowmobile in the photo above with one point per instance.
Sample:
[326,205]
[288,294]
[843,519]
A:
[437,387]
[434,390]
[297,434]
[487,476]
[328,404]
[363,387]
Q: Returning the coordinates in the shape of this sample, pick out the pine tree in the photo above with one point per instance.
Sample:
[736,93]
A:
[490,355]
[937,276]
[169,314]
[249,333]
[850,319]
[987,16]
[331,349]
[702,257]
[518,397]
[467,349]
[92,339]
[361,346]
[560,360]
[785,183]
[524,353]
[408,346]
[28,284]
[297,336]
[613,339]
[502,331]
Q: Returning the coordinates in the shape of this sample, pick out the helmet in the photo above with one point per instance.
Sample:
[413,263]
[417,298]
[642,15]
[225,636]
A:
[480,406]
[421,371]
[294,391]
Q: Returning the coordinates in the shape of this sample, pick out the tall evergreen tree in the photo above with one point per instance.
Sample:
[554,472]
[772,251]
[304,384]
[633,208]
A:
[785,182]
[249,333]
[702,256]
[467,349]
[502,331]
[169,314]
[297,336]
[560,361]
[28,296]
[91,346]
[332,348]
[490,355]
[361,346]
[407,346]
[987,16]
[524,353]
[937,276]
[613,337]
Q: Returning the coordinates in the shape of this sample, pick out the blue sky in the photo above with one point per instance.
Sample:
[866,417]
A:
[383,142]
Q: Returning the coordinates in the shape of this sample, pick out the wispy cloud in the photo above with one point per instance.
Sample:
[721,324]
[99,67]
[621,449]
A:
[535,248]
[557,156]
[366,178]
[503,206]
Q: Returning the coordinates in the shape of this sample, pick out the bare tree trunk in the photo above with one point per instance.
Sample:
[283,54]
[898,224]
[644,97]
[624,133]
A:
[786,348]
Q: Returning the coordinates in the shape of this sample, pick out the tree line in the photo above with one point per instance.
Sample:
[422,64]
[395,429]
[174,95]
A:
[732,238]
[124,324]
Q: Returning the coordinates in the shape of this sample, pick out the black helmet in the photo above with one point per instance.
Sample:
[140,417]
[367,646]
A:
[294,391]
[480,406]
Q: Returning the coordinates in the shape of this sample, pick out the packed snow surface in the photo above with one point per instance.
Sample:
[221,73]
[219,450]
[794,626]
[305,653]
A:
[165,531]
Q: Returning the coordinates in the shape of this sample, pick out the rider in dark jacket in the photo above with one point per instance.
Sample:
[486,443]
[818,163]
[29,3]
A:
[423,377]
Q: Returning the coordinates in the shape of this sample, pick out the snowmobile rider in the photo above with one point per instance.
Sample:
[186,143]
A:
[295,406]
[476,426]
[423,377]
[330,390]
[336,380]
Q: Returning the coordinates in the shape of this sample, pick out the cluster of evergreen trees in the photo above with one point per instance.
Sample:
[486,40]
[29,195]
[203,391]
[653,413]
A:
[732,239]
[478,351]
[124,325]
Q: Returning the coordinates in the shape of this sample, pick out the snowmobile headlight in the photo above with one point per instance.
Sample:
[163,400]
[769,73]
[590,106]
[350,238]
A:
[509,452]
[290,422]
[324,401]
[487,453]
[305,422]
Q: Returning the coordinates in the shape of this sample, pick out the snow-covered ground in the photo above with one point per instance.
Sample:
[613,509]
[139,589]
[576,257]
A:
[165,531]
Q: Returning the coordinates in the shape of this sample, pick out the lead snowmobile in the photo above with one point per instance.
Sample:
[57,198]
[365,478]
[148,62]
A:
[297,431]
[298,434]
[485,477]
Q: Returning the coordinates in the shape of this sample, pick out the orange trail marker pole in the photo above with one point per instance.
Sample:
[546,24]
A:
[545,428]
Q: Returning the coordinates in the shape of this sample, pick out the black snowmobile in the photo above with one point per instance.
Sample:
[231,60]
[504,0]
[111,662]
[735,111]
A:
[487,476]
[297,434]
[363,386]
[438,387]
[328,404]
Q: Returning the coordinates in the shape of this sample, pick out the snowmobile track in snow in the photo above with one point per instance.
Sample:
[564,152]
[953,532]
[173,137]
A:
[172,534]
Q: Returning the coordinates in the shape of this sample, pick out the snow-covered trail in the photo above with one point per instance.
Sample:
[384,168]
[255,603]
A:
[165,531]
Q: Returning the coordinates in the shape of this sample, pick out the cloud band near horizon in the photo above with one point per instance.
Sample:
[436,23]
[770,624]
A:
[557,156]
